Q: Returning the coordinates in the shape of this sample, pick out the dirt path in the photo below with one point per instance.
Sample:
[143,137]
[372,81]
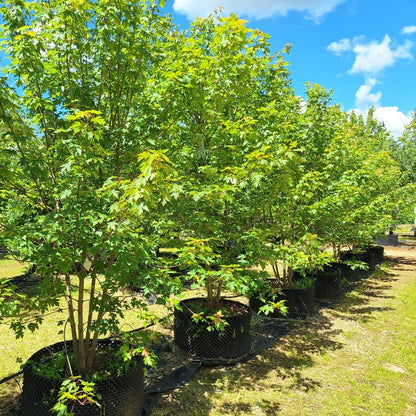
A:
[358,358]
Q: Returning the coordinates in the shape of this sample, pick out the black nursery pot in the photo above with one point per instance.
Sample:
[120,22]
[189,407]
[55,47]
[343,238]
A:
[120,395]
[231,344]
[378,252]
[328,283]
[300,302]
[367,257]
[348,273]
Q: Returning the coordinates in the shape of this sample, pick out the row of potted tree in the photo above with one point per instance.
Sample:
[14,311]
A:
[124,136]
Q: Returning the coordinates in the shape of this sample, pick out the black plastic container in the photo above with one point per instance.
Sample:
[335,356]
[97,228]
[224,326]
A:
[378,253]
[328,282]
[349,273]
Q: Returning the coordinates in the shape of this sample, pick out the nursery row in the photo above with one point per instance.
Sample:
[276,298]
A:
[235,342]
[133,152]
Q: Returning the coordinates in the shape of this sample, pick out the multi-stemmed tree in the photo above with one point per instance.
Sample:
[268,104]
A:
[292,186]
[85,120]
[121,134]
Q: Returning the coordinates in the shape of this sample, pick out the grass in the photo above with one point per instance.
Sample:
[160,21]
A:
[356,358]
[404,229]
[49,331]
[10,267]
[14,351]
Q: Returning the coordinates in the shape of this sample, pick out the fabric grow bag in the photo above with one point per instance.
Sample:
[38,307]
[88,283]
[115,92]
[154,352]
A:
[120,395]
[233,343]
[300,302]
[328,283]
[378,253]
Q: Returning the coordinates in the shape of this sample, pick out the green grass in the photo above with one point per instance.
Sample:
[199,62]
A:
[10,267]
[14,351]
[404,229]
[357,358]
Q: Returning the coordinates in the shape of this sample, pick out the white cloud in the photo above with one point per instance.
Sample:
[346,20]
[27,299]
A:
[394,120]
[258,9]
[364,98]
[372,57]
[409,30]
[343,45]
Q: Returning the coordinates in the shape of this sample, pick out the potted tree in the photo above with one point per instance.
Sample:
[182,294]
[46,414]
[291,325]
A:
[213,327]
[228,70]
[293,266]
[84,177]
[360,194]
[294,191]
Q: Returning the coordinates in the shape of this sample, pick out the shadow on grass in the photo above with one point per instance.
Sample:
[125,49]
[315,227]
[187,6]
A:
[253,387]
[26,284]
[9,397]
[401,263]
[358,305]
[18,275]
[276,369]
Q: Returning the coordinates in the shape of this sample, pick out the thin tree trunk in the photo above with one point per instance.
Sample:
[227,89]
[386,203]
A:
[102,311]
[218,295]
[275,268]
[93,347]
[82,346]
[209,288]
[71,315]
[90,308]
[289,276]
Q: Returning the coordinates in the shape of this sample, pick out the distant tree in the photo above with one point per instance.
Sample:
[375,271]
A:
[362,180]
[404,151]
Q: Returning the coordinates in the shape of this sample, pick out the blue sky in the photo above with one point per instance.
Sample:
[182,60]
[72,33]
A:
[363,50]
